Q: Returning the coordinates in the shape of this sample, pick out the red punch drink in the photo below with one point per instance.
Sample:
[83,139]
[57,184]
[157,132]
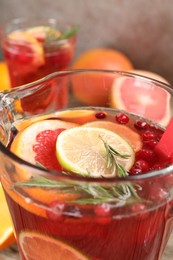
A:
[35,49]
[87,183]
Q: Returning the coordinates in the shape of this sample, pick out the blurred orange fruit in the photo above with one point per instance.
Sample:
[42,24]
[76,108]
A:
[6,229]
[94,92]
[4,76]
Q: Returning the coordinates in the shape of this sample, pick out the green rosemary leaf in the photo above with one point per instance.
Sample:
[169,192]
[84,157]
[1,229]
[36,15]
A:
[95,200]
[40,165]
[69,33]
[121,171]
[53,35]
[113,151]
[41,182]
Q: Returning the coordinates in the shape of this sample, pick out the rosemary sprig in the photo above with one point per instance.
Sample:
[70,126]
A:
[112,164]
[89,193]
[70,33]
[92,193]
[53,35]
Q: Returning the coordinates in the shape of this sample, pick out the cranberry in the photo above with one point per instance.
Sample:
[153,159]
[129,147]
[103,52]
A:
[138,207]
[139,167]
[135,171]
[56,210]
[158,193]
[102,210]
[141,125]
[122,118]
[103,213]
[151,143]
[148,135]
[147,154]
[100,115]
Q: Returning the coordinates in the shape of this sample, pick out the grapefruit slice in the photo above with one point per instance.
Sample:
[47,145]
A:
[25,141]
[20,38]
[142,98]
[38,246]
[125,132]
[37,143]
[82,150]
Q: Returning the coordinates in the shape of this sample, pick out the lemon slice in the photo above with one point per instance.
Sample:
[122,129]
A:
[82,150]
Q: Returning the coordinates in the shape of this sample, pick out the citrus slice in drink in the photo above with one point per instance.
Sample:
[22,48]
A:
[42,33]
[25,140]
[38,246]
[82,150]
[37,145]
[6,229]
[124,131]
[28,46]
[142,98]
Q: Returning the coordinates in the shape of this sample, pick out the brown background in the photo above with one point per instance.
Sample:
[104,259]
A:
[142,29]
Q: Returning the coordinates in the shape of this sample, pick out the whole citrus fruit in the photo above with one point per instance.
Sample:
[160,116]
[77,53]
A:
[92,90]
[4,76]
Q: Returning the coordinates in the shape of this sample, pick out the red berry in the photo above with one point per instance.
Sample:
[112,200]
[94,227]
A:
[140,167]
[138,207]
[103,214]
[158,193]
[147,154]
[151,143]
[102,210]
[56,210]
[148,135]
[122,118]
[141,125]
[100,115]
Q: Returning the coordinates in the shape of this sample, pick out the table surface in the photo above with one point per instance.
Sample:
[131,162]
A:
[12,253]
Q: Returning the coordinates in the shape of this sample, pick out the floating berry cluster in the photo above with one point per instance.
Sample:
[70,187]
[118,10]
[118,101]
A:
[146,158]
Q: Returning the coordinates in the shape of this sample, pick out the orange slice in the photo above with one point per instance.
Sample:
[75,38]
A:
[125,132]
[19,37]
[6,228]
[24,202]
[142,98]
[74,116]
[38,246]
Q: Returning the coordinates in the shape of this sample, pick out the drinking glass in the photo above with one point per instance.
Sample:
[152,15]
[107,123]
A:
[63,214]
[34,48]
